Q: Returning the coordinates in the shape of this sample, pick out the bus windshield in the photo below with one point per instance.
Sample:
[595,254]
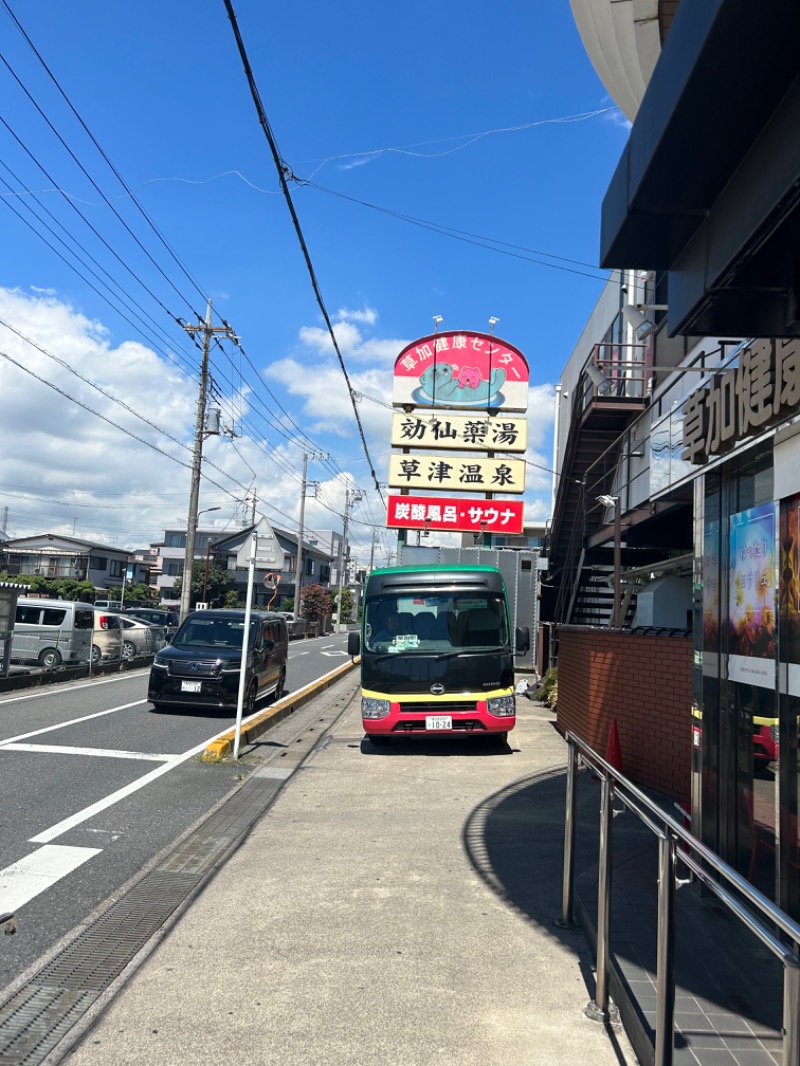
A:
[435,622]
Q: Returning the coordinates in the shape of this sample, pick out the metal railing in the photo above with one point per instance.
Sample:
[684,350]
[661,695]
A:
[757,913]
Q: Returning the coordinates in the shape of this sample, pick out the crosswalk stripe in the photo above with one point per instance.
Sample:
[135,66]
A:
[23,880]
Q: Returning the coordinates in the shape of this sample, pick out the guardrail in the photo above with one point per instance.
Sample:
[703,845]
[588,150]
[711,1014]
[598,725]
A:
[757,912]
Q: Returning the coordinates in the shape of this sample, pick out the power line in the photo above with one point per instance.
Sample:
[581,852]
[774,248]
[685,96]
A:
[282,172]
[459,235]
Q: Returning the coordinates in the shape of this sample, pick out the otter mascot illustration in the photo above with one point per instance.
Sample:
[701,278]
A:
[441,383]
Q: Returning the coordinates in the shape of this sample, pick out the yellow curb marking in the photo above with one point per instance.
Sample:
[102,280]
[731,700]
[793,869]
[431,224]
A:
[223,745]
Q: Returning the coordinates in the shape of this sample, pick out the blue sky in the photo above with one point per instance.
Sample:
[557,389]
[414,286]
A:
[463,116]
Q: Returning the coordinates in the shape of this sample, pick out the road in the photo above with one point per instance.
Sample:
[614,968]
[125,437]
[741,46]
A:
[94,786]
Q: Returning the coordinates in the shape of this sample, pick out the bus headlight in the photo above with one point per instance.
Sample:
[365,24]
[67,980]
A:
[502,706]
[372,708]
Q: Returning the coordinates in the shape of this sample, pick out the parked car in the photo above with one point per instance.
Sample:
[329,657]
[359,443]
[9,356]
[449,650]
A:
[140,638]
[108,605]
[170,620]
[52,632]
[106,636]
[201,666]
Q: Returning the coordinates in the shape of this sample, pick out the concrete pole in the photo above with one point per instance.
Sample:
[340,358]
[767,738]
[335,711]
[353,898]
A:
[343,557]
[298,584]
[194,492]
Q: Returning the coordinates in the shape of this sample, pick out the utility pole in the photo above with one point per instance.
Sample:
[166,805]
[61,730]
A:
[298,584]
[208,332]
[349,498]
[372,551]
[299,569]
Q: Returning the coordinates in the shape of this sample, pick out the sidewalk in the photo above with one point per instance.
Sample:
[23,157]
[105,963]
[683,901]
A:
[394,906]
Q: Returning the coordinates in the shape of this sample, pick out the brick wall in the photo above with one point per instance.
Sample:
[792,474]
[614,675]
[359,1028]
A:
[644,681]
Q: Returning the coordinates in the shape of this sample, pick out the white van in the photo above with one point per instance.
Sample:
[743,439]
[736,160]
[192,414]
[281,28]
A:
[52,632]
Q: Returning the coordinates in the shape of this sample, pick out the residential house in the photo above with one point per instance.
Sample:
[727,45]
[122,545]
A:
[275,577]
[53,556]
[167,559]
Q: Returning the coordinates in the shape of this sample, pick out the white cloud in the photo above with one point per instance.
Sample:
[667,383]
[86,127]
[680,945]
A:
[367,315]
[66,470]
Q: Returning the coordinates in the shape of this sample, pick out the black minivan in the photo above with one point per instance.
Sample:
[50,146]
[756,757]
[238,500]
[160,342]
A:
[201,667]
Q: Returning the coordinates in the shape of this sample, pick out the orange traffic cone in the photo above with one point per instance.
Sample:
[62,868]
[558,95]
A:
[613,752]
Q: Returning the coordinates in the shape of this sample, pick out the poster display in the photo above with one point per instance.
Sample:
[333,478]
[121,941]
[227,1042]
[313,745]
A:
[789,593]
[751,597]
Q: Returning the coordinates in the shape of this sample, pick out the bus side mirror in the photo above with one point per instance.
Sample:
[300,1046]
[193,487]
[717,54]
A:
[523,639]
[353,644]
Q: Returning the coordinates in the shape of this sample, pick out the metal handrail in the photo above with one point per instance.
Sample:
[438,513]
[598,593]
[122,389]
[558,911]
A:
[720,878]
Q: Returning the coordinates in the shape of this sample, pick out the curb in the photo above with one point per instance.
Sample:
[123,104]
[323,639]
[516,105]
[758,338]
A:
[223,745]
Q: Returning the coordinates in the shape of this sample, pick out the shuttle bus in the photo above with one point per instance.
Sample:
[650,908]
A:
[437,654]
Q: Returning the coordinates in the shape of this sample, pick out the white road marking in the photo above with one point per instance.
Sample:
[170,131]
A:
[335,653]
[23,880]
[108,801]
[106,753]
[71,686]
[71,721]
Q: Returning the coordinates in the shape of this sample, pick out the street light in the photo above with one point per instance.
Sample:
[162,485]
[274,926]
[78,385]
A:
[208,549]
[613,501]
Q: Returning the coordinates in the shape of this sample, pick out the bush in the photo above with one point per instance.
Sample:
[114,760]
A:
[548,693]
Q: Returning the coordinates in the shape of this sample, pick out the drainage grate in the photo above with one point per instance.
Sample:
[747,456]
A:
[101,953]
[34,1020]
[41,1013]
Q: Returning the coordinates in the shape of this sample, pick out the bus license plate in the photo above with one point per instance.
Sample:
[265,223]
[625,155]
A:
[438,721]
[190,686]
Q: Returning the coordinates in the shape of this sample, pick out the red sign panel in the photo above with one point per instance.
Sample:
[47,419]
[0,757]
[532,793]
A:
[445,512]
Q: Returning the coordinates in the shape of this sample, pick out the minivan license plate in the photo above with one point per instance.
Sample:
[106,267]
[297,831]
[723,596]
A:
[438,721]
[190,686]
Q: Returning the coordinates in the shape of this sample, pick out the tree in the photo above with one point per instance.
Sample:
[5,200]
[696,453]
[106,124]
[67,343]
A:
[348,600]
[141,593]
[217,586]
[315,603]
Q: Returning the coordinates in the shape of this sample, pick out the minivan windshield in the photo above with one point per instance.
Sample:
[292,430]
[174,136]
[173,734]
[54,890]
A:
[438,623]
[213,632]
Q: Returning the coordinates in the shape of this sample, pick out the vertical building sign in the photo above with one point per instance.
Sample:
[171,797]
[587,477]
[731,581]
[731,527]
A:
[481,378]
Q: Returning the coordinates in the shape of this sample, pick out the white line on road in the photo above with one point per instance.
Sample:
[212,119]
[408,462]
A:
[128,790]
[105,753]
[25,879]
[71,721]
[71,686]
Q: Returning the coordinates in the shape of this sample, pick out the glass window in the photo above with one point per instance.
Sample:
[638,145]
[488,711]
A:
[28,615]
[53,616]
[115,569]
[441,622]
[98,562]
[84,618]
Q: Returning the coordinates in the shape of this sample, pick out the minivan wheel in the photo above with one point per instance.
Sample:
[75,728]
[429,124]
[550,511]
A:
[97,655]
[252,692]
[49,659]
[128,650]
